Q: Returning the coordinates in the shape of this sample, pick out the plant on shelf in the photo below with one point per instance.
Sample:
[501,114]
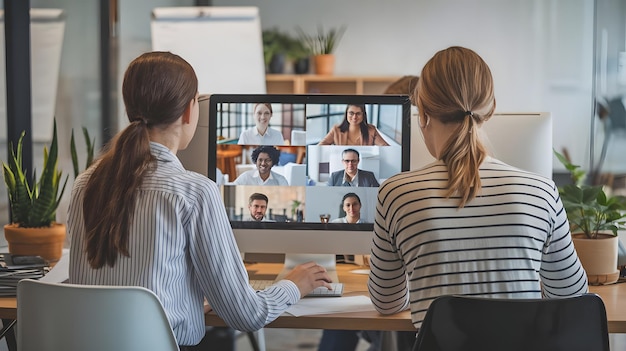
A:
[322,46]
[34,202]
[324,42]
[300,53]
[594,219]
[276,45]
[589,209]
[280,47]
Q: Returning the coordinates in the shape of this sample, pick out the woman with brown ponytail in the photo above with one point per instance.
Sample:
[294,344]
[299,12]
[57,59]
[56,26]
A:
[467,223]
[137,217]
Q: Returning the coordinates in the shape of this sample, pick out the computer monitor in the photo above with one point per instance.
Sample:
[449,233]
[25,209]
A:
[523,140]
[300,214]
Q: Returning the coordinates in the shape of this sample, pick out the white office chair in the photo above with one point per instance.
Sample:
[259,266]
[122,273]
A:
[70,317]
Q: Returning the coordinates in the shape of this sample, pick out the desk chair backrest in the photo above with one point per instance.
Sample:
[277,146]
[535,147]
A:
[85,317]
[460,323]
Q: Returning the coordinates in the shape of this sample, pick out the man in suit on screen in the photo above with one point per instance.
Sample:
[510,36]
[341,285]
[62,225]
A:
[351,175]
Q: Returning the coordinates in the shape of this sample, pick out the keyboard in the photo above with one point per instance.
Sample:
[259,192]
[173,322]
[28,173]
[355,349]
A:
[336,291]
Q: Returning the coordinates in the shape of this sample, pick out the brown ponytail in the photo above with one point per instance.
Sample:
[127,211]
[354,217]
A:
[157,88]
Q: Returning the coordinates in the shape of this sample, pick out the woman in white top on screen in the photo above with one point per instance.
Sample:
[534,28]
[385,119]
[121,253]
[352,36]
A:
[137,217]
[261,134]
[467,223]
[351,204]
[264,157]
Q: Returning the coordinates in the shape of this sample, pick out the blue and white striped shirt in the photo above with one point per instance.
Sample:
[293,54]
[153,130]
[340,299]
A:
[511,241]
[181,247]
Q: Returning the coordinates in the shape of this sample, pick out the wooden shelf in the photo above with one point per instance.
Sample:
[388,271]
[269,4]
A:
[310,84]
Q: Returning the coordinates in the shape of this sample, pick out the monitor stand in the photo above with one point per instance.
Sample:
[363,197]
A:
[327,261]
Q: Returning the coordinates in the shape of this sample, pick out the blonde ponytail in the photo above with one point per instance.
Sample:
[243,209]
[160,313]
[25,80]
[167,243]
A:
[456,88]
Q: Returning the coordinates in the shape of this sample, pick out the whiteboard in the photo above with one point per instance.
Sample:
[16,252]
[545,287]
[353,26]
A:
[223,44]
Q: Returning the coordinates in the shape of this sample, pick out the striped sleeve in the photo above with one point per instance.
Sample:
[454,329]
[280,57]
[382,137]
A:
[561,272]
[226,284]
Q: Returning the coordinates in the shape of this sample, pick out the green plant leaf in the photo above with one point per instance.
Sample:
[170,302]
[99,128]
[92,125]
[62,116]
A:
[34,206]
[589,209]
[324,42]
[90,144]
[73,154]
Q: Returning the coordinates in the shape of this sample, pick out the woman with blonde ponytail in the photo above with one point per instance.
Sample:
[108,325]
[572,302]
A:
[466,223]
[137,217]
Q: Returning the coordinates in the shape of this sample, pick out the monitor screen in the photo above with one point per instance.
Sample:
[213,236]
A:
[523,140]
[290,150]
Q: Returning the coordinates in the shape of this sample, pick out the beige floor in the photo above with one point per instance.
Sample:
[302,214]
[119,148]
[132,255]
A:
[289,340]
[307,340]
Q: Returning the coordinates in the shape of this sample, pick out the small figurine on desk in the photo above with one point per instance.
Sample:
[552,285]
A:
[324,217]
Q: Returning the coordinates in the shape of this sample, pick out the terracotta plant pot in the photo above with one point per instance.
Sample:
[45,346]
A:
[324,64]
[46,242]
[598,257]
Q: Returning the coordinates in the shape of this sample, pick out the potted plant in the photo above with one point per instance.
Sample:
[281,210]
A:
[300,54]
[276,45]
[33,203]
[322,46]
[595,219]
[280,48]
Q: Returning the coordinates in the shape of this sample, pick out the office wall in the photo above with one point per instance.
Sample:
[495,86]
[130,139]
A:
[540,52]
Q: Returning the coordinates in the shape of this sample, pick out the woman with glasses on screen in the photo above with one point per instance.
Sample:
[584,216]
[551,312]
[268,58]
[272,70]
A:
[137,217]
[261,133]
[467,223]
[354,130]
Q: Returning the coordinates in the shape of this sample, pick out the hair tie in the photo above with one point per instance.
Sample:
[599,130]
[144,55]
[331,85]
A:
[471,114]
[141,120]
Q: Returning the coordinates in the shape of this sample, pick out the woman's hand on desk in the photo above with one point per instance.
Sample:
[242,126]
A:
[308,276]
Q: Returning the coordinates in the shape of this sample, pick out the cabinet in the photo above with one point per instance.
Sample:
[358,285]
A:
[310,83]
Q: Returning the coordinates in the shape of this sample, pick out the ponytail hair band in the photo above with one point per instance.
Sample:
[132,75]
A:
[469,113]
[141,120]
